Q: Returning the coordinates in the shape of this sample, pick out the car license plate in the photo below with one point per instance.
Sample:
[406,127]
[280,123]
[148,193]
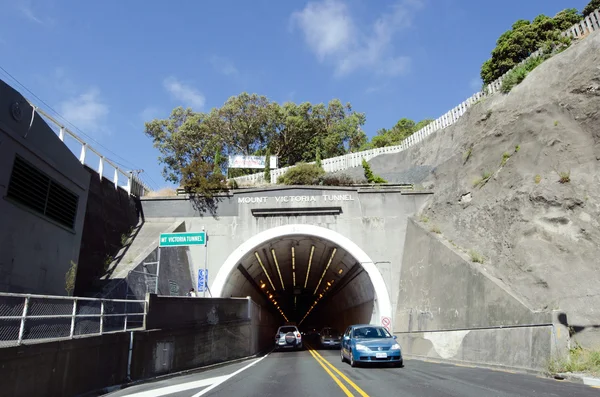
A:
[381,355]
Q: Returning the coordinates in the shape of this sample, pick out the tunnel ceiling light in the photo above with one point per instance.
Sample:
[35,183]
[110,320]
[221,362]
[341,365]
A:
[263,268]
[277,266]
[325,271]
[293,267]
[329,283]
[262,284]
[340,271]
[295,299]
[312,251]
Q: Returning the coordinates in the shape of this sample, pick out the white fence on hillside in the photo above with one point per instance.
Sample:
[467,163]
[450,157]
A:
[588,25]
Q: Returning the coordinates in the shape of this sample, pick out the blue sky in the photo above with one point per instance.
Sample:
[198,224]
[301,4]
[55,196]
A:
[107,66]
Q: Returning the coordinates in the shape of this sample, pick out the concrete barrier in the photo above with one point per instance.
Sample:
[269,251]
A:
[191,333]
[452,309]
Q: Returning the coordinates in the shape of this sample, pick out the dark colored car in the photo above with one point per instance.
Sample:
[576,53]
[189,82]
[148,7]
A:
[370,344]
[288,337]
[330,337]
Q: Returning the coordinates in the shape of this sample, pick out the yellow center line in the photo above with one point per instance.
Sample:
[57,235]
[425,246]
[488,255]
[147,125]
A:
[339,383]
[354,385]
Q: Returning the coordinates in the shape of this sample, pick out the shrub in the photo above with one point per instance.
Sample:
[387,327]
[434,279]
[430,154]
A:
[475,256]
[518,74]
[505,157]
[233,184]
[537,179]
[371,178]
[301,174]
[564,177]
[340,179]
[578,360]
[70,277]
[436,229]
[482,181]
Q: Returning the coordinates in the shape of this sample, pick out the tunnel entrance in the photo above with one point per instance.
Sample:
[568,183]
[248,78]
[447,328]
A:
[308,274]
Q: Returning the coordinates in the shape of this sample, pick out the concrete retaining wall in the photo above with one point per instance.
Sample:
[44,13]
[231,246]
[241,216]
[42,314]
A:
[64,368]
[167,312]
[72,367]
[450,308]
[111,215]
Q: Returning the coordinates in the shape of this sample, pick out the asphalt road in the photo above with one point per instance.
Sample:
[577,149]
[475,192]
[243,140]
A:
[321,373]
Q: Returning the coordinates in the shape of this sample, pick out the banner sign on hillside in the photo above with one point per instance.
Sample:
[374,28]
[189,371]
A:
[239,161]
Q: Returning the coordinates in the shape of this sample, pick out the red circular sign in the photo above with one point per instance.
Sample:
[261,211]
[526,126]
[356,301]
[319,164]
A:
[386,322]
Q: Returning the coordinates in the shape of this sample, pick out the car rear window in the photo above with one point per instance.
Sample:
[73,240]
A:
[330,332]
[287,329]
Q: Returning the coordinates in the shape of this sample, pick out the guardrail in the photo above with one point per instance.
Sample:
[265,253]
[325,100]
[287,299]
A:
[121,178]
[26,318]
[587,25]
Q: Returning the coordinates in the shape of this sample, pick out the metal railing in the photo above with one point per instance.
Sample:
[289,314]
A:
[28,318]
[121,178]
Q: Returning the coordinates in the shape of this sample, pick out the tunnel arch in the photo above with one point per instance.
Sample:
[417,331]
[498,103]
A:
[382,304]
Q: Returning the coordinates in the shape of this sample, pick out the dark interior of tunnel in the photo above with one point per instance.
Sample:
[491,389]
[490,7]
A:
[305,280]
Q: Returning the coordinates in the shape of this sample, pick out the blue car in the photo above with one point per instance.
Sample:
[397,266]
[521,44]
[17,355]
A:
[370,344]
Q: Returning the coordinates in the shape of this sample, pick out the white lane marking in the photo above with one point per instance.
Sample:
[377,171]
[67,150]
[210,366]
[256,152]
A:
[163,391]
[203,392]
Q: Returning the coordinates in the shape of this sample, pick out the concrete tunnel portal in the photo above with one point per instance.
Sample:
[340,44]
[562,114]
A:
[309,275]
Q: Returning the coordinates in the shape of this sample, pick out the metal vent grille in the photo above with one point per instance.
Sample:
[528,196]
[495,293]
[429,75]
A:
[34,189]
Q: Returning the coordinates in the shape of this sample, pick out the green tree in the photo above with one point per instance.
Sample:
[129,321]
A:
[192,145]
[593,5]
[267,166]
[187,142]
[399,132]
[524,38]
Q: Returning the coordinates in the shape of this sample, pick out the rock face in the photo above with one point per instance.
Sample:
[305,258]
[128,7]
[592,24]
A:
[517,180]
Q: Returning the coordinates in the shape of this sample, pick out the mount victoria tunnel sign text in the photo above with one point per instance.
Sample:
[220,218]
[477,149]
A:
[295,199]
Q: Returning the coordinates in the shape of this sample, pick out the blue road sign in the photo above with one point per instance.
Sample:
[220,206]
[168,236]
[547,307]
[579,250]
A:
[202,280]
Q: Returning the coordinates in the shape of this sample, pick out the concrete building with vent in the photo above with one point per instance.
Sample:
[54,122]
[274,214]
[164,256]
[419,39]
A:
[43,190]
[53,206]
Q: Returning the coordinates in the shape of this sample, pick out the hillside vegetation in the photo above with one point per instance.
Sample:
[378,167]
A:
[516,182]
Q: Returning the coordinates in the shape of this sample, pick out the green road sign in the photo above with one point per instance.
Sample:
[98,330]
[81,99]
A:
[182,239]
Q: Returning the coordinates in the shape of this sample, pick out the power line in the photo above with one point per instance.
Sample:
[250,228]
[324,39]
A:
[67,121]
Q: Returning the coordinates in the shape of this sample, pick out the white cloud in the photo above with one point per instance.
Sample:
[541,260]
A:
[86,111]
[223,66]
[475,84]
[334,36]
[150,113]
[28,9]
[184,93]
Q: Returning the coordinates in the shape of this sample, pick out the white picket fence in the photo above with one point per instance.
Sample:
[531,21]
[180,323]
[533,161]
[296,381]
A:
[589,24]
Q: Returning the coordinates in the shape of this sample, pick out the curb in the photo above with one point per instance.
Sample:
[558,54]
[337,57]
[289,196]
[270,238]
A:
[578,378]
[469,364]
[568,377]
[111,389]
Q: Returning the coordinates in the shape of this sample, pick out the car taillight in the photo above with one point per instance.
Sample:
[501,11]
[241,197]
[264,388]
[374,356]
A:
[298,336]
